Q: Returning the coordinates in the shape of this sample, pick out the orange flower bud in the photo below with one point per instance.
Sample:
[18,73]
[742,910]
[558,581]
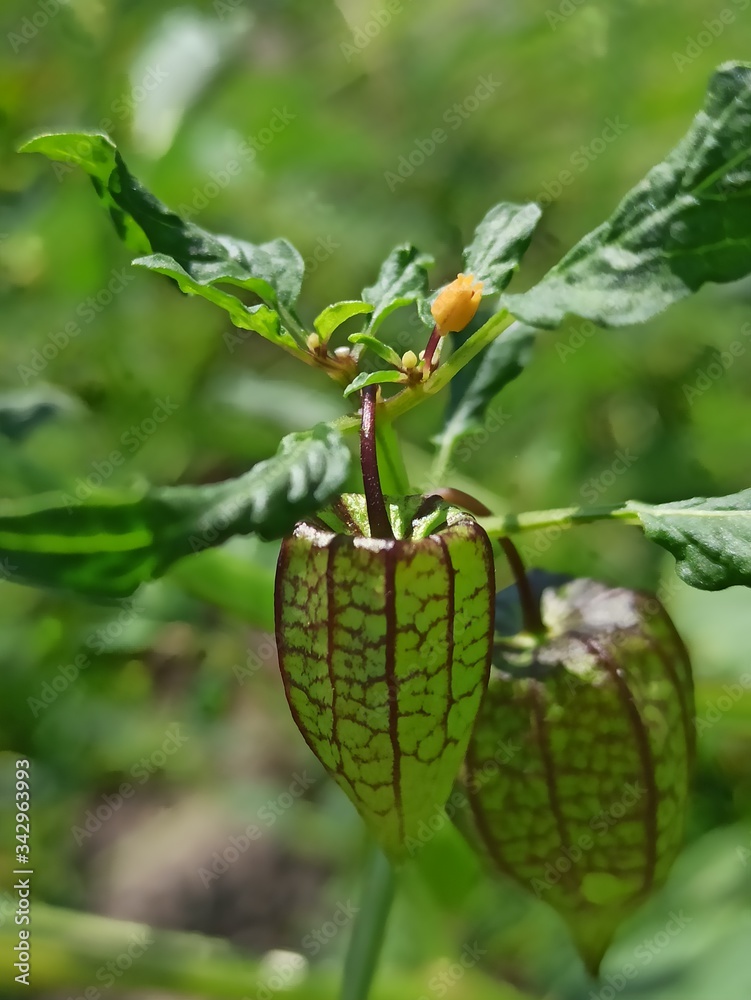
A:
[457,304]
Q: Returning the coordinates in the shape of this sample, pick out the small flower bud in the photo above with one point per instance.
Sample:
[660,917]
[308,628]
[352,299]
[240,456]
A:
[457,304]
[313,342]
[409,360]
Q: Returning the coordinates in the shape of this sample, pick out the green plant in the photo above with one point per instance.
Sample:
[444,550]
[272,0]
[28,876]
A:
[685,224]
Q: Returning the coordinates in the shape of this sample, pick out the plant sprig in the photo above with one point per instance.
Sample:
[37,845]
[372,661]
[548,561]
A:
[687,223]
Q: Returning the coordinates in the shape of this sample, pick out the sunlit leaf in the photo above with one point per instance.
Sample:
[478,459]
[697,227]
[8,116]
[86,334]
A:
[403,279]
[499,243]
[377,346]
[372,378]
[109,545]
[709,537]
[688,222]
[334,315]
[197,259]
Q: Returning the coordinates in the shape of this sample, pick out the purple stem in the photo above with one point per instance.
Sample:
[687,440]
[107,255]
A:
[432,346]
[380,526]
[530,606]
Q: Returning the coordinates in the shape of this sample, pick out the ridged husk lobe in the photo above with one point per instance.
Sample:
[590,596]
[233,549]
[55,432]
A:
[587,808]
[384,647]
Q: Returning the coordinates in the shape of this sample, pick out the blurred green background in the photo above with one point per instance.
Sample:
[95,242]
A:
[175,695]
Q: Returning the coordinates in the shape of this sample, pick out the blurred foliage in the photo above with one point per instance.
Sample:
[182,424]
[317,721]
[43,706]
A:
[315,114]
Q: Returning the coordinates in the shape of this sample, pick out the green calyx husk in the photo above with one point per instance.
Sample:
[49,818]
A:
[384,647]
[579,765]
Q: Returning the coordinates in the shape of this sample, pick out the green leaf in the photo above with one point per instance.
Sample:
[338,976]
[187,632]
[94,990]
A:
[377,347]
[500,242]
[372,378]
[261,319]
[403,279]
[498,365]
[688,222]
[197,259]
[333,316]
[107,547]
[710,537]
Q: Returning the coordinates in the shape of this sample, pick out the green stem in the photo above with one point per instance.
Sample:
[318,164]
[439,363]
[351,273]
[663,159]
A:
[461,357]
[394,477]
[291,322]
[369,928]
[439,470]
[534,520]
[416,394]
